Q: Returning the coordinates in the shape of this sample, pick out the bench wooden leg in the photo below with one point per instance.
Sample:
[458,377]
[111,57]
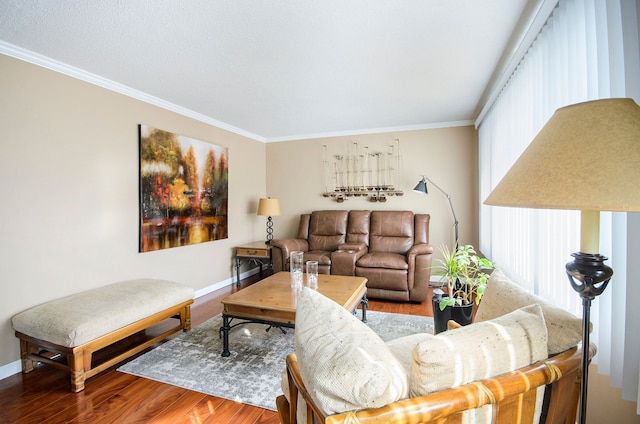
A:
[185,318]
[76,362]
[25,350]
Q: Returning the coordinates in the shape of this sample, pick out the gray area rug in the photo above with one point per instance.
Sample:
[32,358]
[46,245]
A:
[252,373]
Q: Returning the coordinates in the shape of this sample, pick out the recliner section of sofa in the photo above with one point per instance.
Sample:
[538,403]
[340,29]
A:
[390,248]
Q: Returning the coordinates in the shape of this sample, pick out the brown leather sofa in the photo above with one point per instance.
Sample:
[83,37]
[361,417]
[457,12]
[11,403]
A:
[390,248]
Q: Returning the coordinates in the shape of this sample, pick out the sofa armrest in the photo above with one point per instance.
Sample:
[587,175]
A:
[419,259]
[353,246]
[420,249]
[282,248]
[343,260]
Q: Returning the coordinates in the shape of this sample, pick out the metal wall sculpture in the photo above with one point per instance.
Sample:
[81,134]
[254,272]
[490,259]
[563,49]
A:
[363,171]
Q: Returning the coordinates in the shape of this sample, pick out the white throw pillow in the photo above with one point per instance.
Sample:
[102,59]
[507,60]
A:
[479,351]
[344,364]
[402,348]
[503,296]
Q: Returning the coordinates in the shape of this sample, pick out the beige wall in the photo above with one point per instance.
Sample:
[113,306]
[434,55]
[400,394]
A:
[448,156]
[69,193]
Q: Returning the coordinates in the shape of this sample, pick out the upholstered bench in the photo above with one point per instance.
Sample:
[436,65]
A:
[76,326]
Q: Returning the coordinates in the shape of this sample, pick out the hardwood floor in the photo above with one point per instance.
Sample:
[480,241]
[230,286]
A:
[44,396]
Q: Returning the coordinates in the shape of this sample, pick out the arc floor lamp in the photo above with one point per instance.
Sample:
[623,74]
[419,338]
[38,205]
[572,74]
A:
[422,188]
[587,158]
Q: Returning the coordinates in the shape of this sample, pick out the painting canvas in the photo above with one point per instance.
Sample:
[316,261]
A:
[183,190]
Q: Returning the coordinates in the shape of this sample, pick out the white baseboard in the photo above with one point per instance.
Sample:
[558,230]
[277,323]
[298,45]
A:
[10,369]
[225,283]
[16,367]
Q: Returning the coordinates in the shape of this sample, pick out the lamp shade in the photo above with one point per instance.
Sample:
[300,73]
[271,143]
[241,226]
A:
[587,157]
[269,207]
[421,187]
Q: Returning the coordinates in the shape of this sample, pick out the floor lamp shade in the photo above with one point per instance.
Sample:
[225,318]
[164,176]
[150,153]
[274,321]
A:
[587,158]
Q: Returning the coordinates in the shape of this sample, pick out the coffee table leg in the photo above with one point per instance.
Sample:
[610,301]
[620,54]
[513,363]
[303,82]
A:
[364,302]
[225,335]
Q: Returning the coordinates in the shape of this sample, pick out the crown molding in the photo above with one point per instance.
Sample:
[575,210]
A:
[37,59]
[372,131]
[65,69]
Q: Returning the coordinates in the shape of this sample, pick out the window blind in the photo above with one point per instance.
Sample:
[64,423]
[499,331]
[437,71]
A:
[587,49]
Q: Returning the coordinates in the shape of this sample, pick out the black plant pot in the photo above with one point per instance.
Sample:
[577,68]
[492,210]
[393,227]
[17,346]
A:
[461,314]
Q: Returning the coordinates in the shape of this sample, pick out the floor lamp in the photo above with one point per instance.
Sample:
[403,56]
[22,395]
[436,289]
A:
[269,207]
[587,158]
[422,188]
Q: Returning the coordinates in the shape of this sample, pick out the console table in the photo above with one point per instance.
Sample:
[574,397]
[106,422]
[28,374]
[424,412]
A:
[257,252]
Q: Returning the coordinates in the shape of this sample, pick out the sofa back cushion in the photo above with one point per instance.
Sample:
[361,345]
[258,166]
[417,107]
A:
[358,228]
[421,228]
[391,231]
[327,230]
[303,227]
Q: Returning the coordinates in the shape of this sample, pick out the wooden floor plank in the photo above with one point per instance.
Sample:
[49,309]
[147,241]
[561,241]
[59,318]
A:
[44,395]
[103,387]
[180,408]
[202,410]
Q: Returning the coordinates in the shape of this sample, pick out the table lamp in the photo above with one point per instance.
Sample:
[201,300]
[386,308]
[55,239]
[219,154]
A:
[269,207]
[587,158]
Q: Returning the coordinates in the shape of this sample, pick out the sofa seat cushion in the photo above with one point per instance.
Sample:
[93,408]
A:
[345,365]
[322,256]
[384,278]
[383,260]
[80,318]
[503,296]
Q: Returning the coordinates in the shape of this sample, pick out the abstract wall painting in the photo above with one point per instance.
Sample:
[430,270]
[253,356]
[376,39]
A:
[184,186]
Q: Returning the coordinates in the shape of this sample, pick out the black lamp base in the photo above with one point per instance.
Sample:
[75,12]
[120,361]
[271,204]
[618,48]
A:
[589,277]
[269,230]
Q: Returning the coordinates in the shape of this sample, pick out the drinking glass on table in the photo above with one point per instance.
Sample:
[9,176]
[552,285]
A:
[312,275]
[296,261]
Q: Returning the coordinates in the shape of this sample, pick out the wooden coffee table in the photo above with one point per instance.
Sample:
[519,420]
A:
[271,301]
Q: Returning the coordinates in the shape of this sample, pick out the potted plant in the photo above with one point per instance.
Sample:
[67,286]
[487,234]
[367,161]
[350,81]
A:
[465,274]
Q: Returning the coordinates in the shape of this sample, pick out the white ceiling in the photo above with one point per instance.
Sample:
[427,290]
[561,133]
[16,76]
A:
[279,69]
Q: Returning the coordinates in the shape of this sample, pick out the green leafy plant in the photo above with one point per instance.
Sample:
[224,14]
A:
[465,274]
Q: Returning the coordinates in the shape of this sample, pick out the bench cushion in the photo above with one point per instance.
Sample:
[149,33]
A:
[80,318]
